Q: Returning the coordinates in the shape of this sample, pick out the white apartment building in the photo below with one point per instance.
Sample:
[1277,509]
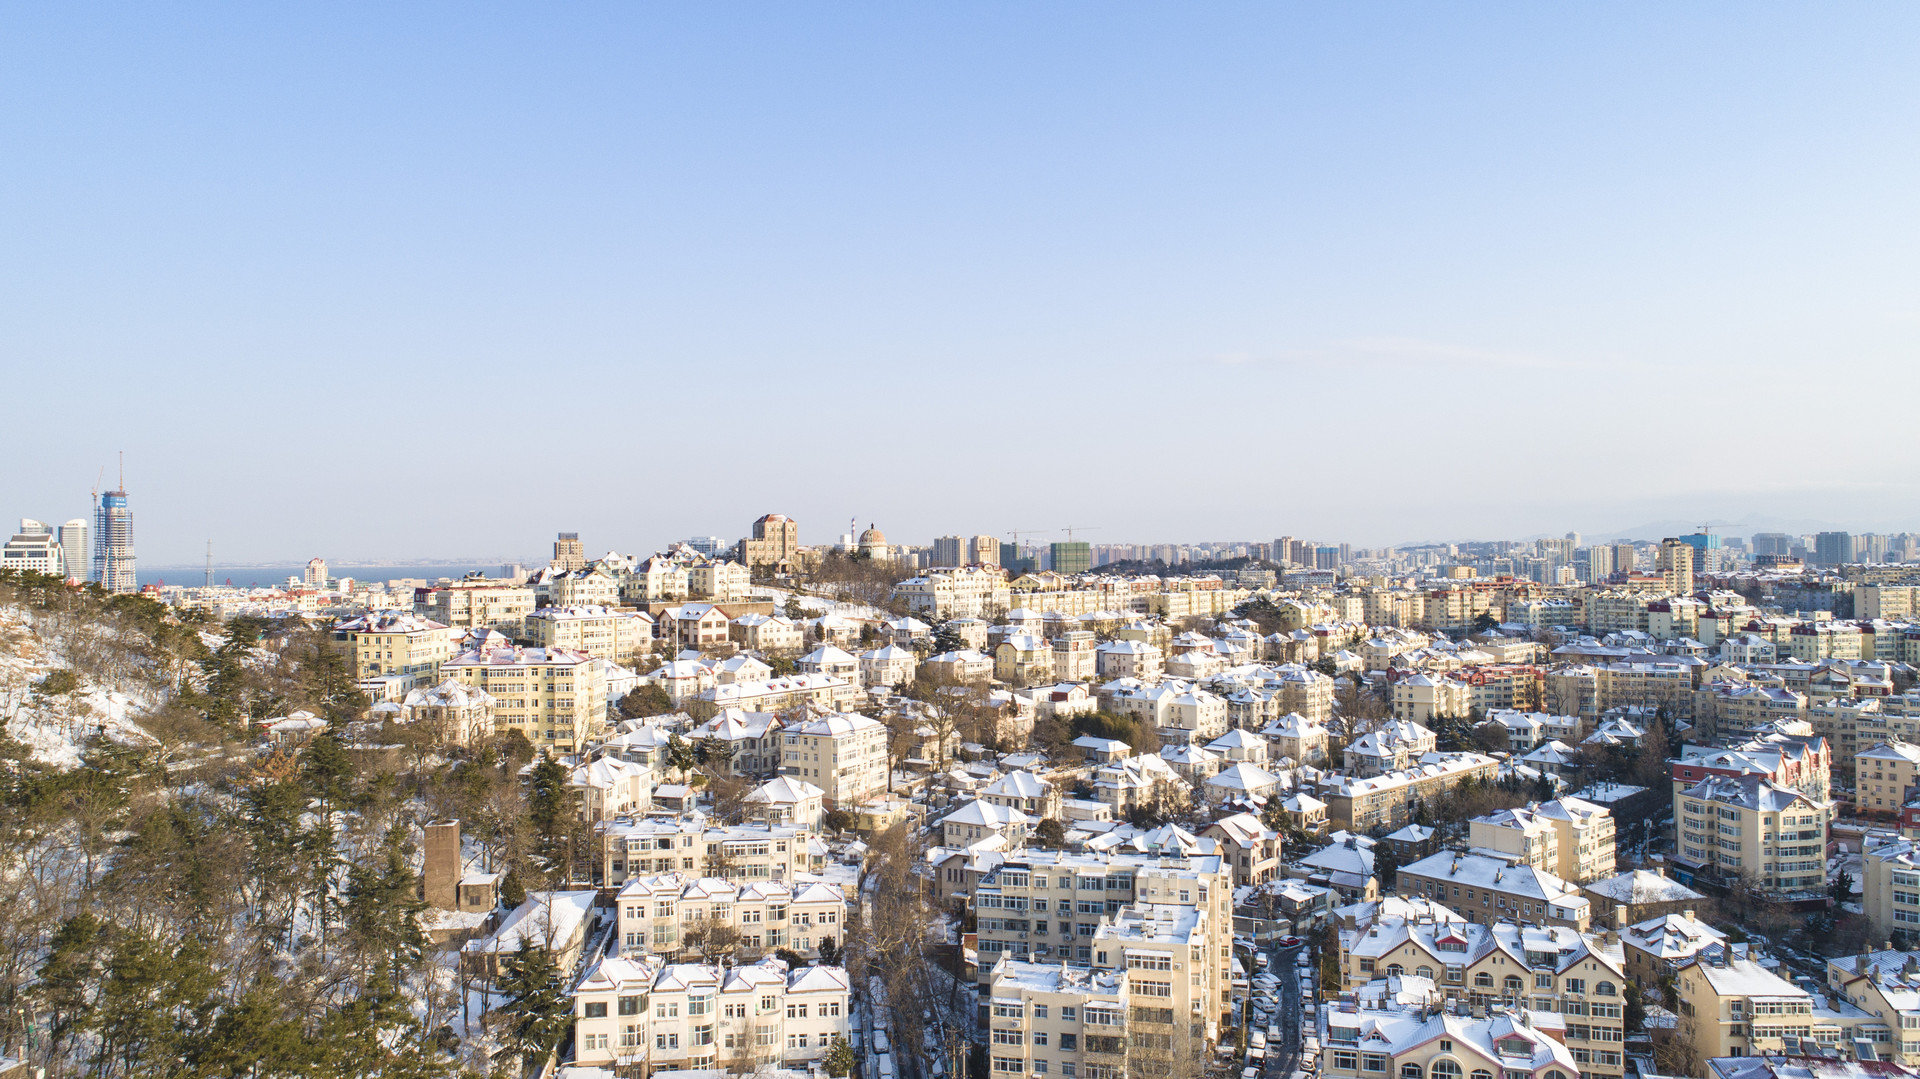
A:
[607,632]
[637,1015]
[657,912]
[957,592]
[477,603]
[844,755]
[696,847]
[1050,906]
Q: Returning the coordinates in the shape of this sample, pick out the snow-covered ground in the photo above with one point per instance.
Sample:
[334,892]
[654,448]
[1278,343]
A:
[56,728]
[815,606]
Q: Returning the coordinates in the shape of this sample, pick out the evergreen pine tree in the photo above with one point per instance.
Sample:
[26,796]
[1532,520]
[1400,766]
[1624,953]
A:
[539,1011]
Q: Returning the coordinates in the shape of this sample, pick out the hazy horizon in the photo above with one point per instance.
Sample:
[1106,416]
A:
[390,281]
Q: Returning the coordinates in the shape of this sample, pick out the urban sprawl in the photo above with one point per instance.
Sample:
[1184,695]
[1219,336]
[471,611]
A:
[986,808]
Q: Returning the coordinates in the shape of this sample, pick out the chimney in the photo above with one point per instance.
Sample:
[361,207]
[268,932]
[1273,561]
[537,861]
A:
[1620,916]
[441,876]
[1687,914]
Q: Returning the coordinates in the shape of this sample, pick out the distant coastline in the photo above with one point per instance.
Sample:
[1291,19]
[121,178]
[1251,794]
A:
[275,574]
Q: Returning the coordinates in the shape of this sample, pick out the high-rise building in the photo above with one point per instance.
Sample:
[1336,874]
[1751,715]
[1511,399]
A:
[706,545]
[316,573]
[1599,562]
[1706,552]
[568,554]
[986,550]
[949,551]
[1778,543]
[774,542]
[1072,556]
[74,549]
[113,566]
[1624,559]
[1283,550]
[1833,548]
[1675,563]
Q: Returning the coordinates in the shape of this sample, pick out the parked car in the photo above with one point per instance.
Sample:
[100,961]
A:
[1256,1039]
[880,1043]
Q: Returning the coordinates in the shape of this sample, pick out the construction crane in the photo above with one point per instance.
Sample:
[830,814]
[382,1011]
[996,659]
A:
[1071,529]
[1016,533]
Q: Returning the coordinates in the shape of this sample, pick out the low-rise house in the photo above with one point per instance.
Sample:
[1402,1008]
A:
[555,921]
[1038,798]
[786,800]
[1659,946]
[1393,747]
[1296,738]
[772,634]
[745,743]
[607,786]
[962,667]
[1251,847]
[457,713]
[1639,894]
[890,665]
[977,822]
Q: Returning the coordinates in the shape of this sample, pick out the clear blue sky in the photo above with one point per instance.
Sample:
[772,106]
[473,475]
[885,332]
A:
[358,282]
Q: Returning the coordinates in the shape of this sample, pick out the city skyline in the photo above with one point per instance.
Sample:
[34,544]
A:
[1349,273]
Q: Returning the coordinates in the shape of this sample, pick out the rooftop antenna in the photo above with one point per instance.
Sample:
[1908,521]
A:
[209,563]
[123,471]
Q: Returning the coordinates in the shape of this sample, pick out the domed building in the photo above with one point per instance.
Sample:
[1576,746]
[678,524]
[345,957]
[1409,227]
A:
[873,542]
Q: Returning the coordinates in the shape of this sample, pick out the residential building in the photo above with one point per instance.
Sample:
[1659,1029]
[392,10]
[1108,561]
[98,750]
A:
[555,697]
[477,603]
[394,645]
[641,1017]
[957,592]
[696,847]
[1730,1005]
[1890,883]
[1884,777]
[671,914]
[1567,837]
[1363,804]
[613,633]
[1485,889]
[1050,906]
[1746,832]
[844,755]
[1553,971]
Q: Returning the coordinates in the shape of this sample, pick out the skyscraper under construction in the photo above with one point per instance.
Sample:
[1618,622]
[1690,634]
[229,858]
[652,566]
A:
[113,541]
